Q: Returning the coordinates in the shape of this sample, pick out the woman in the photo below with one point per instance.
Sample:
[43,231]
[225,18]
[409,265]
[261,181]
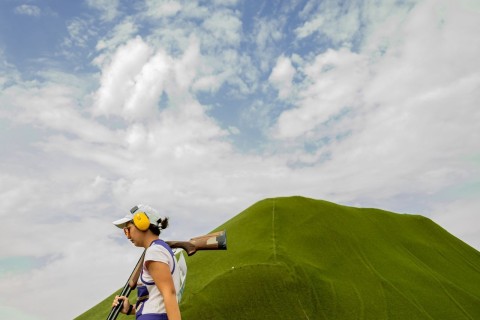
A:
[160,279]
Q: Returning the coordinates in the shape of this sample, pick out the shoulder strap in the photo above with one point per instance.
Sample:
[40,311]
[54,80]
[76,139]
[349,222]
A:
[166,246]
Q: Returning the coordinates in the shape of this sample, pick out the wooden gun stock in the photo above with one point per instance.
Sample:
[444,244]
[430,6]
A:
[211,241]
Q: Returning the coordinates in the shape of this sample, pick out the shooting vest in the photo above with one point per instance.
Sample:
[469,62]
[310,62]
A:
[150,304]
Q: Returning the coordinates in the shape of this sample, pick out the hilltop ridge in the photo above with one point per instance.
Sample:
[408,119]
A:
[300,258]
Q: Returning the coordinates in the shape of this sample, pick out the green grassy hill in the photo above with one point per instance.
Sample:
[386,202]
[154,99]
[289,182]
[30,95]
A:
[299,258]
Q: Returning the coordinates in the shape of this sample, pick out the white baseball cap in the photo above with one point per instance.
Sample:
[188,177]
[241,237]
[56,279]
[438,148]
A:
[151,213]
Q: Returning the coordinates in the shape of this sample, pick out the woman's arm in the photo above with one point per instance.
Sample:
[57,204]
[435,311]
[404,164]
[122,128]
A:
[160,273]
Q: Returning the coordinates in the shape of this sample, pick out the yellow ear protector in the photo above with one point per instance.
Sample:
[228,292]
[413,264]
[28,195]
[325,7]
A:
[140,219]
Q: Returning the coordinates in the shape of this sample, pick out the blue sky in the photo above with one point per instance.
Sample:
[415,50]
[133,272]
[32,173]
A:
[202,108]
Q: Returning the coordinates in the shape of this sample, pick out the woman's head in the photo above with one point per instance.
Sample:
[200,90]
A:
[144,218]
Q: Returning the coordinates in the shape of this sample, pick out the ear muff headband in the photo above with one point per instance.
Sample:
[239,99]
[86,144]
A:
[141,221]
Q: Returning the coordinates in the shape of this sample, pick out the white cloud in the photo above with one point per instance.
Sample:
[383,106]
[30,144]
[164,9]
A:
[311,26]
[162,8]
[455,217]
[9,73]
[29,10]
[119,77]
[224,25]
[139,75]
[52,107]
[333,81]
[108,8]
[340,22]
[218,33]
[118,36]
[121,33]
[282,76]
[420,64]
[194,10]
[268,34]
[12,313]
[412,115]
[79,32]
[226,2]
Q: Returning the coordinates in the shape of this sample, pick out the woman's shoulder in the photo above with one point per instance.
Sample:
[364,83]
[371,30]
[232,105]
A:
[159,247]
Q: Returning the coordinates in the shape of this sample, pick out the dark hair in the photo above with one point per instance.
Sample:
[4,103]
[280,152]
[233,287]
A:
[162,224]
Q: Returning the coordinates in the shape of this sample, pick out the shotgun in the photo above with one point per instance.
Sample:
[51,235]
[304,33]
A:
[211,241]
[128,287]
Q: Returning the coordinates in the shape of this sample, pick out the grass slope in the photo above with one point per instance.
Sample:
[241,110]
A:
[299,258]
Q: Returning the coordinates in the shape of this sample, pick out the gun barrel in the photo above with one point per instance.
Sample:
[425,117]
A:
[127,288]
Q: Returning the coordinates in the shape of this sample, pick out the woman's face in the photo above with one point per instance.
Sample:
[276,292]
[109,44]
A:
[132,233]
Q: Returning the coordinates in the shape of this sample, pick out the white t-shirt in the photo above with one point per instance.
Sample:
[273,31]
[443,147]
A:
[150,299]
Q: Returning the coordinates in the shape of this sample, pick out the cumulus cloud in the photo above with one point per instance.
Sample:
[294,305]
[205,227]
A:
[52,107]
[118,36]
[137,76]
[392,121]
[282,76]
[333,81]
[119,78]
